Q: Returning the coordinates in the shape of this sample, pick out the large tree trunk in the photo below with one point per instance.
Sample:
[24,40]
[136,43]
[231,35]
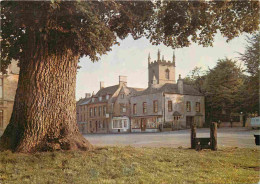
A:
[44,113]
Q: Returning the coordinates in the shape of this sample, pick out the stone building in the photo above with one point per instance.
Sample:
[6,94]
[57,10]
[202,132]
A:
[107,111]
[8,86]
[164,104]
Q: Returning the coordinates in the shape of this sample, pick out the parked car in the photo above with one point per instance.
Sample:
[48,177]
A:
[255,122]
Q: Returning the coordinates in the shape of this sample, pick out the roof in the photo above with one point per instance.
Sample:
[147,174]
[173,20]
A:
[170,88]
[83,101]
[107,91]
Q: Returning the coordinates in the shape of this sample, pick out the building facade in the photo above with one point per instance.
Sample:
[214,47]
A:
[8,86]
[165,104]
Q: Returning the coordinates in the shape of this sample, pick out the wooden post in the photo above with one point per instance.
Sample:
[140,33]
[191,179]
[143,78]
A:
[193,135]
[213,136]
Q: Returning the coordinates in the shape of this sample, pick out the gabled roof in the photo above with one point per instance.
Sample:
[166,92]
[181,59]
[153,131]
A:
[107,91]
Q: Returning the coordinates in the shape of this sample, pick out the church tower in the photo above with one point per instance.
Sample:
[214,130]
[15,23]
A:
[161,71]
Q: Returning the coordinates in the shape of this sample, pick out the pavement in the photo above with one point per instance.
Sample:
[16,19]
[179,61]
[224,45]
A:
[227,137]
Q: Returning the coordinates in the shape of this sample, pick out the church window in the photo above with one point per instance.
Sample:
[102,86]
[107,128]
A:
[188,106]
[169,106]
[167,74]
[155,106]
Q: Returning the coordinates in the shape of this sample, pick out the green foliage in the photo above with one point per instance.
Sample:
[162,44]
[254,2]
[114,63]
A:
[250,91]
[132,165]
[222,87]
[32,30]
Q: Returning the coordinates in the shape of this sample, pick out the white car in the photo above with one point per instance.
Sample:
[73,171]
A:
[255,122]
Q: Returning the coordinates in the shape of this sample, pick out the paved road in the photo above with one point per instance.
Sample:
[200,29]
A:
[227,137]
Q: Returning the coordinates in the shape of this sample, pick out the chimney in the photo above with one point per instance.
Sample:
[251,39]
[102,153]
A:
[180,84]
[87,95]
[102,85]
[122,80]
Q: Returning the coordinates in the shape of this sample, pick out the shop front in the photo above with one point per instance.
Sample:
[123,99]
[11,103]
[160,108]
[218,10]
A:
[145,124]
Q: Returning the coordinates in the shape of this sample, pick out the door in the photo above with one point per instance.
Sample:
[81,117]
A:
[143,124]
[189,121]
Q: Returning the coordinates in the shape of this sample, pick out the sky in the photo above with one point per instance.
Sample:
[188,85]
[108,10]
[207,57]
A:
[130,59]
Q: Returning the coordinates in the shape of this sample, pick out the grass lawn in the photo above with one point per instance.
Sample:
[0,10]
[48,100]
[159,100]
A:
[132,165]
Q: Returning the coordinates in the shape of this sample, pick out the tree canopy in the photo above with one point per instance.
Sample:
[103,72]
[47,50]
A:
[91,27]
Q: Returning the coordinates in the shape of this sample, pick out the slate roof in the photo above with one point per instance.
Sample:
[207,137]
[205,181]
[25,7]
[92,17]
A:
[170,88]
[83,101]
[108,90]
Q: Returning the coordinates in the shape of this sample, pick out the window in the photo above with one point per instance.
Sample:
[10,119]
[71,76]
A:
[167,74]
[100,98]
[1,88]
[125,123]
[122,96]
[99,110]
[169,106]
[104,124]
[90,112]
[95,111]
[134,109]
[107,97]
[197,106]
[144,107]
[155,106]
[104,110]
[90,124]
[122,108]
[1,118]
[188,106]
[93,99]
[117,124]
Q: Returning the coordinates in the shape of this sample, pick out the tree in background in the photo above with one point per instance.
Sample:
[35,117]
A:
[221,88]
[250,91]
[48,38]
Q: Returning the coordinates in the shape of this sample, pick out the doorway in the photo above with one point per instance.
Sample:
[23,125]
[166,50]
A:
[143,124]
[189,121]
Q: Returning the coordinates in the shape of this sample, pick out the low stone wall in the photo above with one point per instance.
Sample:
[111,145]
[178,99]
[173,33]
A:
[228,124]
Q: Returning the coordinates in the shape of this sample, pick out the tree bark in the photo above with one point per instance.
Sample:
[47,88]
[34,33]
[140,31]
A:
[44,112]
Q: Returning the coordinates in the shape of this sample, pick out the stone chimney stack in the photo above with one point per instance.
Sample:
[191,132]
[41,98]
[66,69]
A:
[159,55]
[87,95]
[149,58]
[122,80]
[102,85]
[180,84]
